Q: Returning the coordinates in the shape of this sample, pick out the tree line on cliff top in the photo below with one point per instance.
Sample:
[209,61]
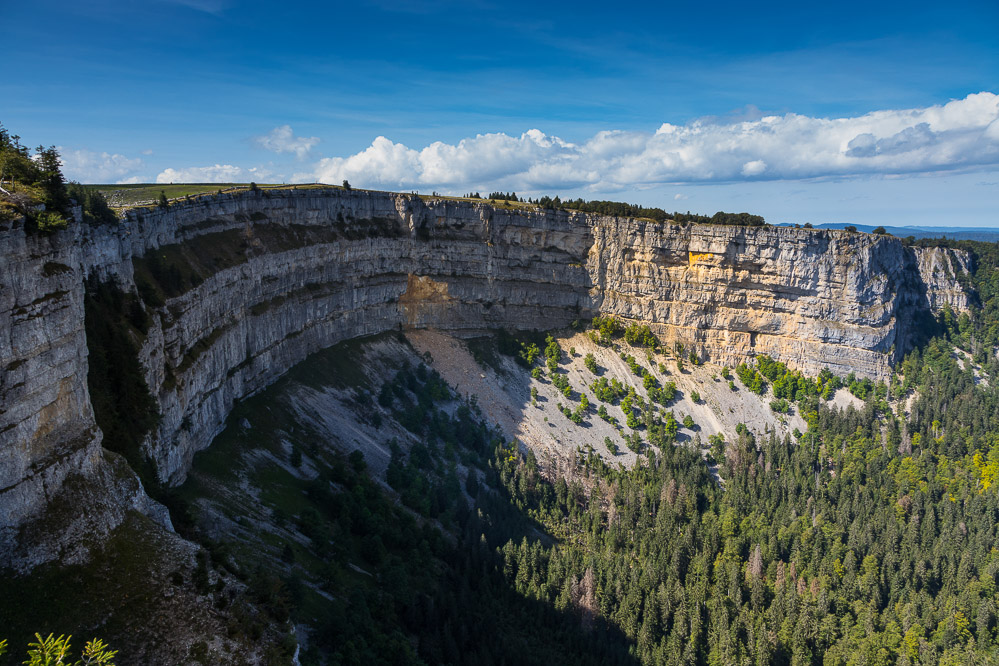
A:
[620,209]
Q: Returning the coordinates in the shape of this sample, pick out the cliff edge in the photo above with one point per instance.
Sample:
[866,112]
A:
[238,288]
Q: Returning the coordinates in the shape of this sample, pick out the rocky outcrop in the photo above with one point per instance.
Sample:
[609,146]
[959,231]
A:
[940,270]
[45,414]
[47,429]
[812,299]
[281,274]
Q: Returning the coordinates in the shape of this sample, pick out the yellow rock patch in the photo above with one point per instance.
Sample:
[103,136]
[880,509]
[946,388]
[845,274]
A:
[422,297]
[421,289]
[53,414]
[699,256]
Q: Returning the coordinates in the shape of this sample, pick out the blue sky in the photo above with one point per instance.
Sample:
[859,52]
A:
[866,112]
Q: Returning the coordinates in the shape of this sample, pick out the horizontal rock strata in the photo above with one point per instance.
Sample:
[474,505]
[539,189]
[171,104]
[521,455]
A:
[281,274]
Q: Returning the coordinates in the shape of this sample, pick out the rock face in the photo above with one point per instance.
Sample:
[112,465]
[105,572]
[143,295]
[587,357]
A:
[939,269]
[46,423]
[285,273]
[812,299]
[50,446]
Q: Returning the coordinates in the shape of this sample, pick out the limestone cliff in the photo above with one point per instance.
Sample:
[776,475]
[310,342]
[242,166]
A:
[50,446]
[272,276]
[46,423]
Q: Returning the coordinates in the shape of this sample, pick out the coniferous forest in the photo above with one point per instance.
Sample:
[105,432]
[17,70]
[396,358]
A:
[871,538]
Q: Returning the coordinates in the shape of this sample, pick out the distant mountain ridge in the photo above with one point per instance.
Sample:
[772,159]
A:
[986,234]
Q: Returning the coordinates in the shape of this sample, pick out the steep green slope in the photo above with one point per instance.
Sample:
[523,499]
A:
[869,539]
[401,570]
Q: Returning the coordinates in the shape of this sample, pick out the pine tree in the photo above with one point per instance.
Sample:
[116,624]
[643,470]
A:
[52,182]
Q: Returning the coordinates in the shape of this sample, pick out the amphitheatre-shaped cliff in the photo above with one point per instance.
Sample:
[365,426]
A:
[237,288]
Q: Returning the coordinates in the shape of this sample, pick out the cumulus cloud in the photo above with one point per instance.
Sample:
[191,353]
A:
[961,134]
[283,140]
[86,166]
[217,173]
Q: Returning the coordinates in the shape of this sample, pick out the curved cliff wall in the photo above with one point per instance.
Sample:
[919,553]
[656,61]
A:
[50,446]
[47,428]
[283,273]
[320,266]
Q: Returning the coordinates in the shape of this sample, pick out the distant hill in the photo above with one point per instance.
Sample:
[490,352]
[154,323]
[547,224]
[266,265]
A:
[986,234]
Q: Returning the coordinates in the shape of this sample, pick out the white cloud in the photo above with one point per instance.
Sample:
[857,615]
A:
[86,166]
[283,140]
[680,197]
[961,134]
[218,173]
